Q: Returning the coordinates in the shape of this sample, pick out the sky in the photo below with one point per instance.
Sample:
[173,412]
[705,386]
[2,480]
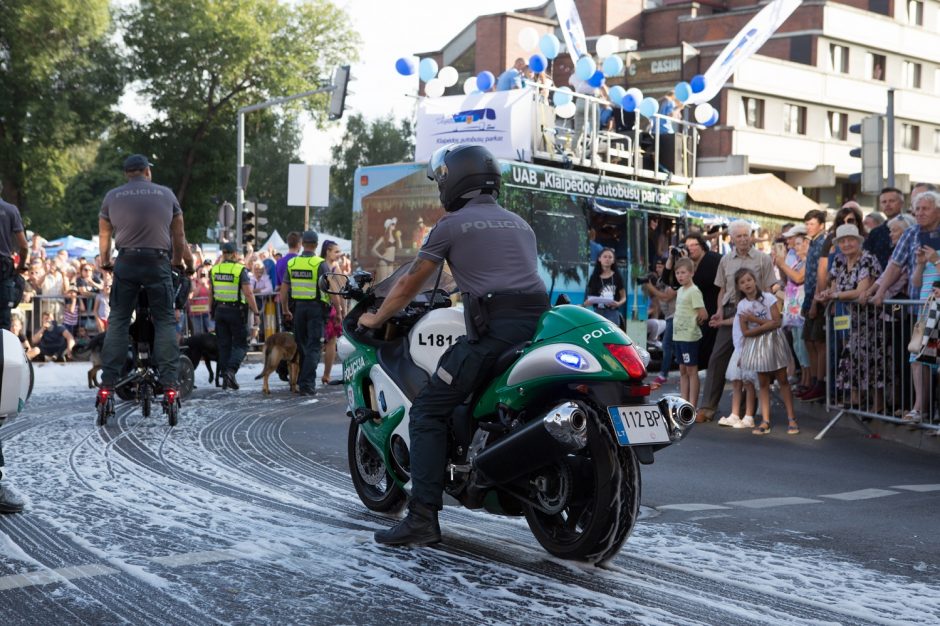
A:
[391,29]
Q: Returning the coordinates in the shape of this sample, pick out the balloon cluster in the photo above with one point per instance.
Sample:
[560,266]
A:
[543,49]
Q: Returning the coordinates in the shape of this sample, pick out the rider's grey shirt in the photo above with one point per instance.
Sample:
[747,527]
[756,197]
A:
[10,224]
[488,248]
[140,212]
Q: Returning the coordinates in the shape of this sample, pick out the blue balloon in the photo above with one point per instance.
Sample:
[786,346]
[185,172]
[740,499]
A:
[649,107]
[616,94]
[405,66]
[628,103]
[697,83]
[613,66]
[550,46]
[596,79]
[712,120]
[538,63]
[562,97]
[427,69]
[683,91]
[585,67]
[485,80]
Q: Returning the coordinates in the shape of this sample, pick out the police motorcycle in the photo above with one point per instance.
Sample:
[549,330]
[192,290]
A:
[140,381]
[557,435]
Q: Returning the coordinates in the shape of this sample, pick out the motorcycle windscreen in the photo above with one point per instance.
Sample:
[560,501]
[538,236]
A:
[443,280]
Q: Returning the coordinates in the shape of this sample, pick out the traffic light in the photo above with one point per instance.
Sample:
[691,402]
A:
[871,130]
[338,96]
[260,233]
[249,224]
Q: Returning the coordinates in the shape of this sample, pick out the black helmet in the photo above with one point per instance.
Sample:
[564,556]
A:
[460,170]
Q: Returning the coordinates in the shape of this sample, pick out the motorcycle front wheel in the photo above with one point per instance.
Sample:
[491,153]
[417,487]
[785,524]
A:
[372,481]
[594,499]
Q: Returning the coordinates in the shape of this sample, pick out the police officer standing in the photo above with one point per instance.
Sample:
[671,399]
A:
[12,239]
[231,299]
[310,308]
[146,222]
[503,299]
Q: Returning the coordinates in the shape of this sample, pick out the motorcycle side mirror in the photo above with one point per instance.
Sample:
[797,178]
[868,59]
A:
[562,299]
[334,284]
[361,277]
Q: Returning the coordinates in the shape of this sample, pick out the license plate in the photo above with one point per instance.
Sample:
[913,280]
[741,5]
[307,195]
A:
[638,425]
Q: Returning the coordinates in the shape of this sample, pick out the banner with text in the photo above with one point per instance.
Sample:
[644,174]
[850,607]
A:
[571,29]
[501,121]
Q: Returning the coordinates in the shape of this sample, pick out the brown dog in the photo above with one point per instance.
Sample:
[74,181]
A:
[280,347]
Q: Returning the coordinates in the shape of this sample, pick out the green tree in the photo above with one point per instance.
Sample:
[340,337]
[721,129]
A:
[364,143]
[60,75]
[198,61]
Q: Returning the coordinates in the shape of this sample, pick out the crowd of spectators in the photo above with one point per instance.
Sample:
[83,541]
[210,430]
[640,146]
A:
[809,279]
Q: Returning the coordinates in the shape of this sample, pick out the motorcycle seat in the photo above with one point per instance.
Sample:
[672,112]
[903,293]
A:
[508,357]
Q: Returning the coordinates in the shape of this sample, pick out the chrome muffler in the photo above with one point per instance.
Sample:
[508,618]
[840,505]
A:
[679,415]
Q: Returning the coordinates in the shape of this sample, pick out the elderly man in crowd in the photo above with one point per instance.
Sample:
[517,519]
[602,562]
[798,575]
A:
[744,254]
[891,203]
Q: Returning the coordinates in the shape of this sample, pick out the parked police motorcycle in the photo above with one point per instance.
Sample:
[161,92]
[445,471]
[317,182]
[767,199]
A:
[557,435]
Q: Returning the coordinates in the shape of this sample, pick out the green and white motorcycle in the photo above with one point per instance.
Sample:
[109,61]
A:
[557,435]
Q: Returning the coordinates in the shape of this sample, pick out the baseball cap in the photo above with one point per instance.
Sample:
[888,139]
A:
[228,247]
[310,236]
[136,162]
[799,229]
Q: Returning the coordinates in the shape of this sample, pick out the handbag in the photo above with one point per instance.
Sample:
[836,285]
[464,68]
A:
[917,337]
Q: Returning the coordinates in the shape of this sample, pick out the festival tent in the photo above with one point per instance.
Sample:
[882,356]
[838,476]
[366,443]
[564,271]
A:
[275,241]
[344,244]
[75,246]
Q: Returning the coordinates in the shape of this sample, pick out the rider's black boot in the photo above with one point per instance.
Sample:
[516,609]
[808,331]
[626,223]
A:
[230,380]
[419,528]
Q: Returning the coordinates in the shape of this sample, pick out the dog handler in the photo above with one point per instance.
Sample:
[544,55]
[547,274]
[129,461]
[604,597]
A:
[479,239]
[311,307]
[231,298]
[146,222]
[12,239]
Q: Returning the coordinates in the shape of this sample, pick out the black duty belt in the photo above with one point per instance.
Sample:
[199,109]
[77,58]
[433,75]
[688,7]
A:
[155,253]
[232,305]
[498,302]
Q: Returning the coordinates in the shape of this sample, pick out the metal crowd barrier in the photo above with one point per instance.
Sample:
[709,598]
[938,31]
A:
[868,370]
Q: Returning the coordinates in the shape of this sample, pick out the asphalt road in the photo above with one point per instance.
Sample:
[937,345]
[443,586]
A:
[244,514]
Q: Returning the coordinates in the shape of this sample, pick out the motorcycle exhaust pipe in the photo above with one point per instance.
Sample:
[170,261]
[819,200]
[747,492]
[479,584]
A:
[540,442]
[679,415]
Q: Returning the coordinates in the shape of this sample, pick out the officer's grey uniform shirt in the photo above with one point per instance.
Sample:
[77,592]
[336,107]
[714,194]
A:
[489,249]
[10,223]
[140,212]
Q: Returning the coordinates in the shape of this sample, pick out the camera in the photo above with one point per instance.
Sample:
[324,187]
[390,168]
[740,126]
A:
[678,251]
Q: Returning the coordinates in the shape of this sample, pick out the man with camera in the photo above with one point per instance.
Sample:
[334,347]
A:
[695,247]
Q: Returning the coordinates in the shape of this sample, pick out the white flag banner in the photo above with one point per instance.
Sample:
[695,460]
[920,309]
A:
[748,41]
[571,28]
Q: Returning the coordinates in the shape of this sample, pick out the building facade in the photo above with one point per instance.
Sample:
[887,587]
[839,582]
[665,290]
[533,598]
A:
[787,110]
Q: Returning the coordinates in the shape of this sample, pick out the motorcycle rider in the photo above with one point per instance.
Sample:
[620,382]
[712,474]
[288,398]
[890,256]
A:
[503,299]
[146,222]
[231,298]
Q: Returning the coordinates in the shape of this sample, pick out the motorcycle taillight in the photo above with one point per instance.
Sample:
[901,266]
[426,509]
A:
[627,357]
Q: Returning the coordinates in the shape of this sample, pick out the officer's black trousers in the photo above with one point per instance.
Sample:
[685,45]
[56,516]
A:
[130,274]
[231,327]
[308,331]
[462,369]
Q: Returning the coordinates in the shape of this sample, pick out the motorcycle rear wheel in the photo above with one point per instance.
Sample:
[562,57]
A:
[602,506]
[374,485]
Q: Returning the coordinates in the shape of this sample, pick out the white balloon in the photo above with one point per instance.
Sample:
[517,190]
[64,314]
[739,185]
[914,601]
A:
[434,88]
[703,112]
[636,93]
[448,76]
[470,85]
[528,39]
[566,111]
[607,45]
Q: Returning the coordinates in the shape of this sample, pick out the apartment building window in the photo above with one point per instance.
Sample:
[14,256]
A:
[794,119]
[875,66]
[910,136]
[912,73]
[752,110]
[838,125]
[839,57]
[915,12]
[936,79]
[936,140]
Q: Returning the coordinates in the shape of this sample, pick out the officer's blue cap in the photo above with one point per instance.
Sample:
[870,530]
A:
[136,162]
[228,247]
[310,236]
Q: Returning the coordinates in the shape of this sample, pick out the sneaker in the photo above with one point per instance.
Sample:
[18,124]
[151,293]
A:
[731,420]
[816,393]
[912,417]
[660,380]
[746,422]
[8,502]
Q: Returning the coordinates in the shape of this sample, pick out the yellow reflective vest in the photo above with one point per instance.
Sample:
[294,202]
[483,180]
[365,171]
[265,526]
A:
[303,278]
[225,281]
